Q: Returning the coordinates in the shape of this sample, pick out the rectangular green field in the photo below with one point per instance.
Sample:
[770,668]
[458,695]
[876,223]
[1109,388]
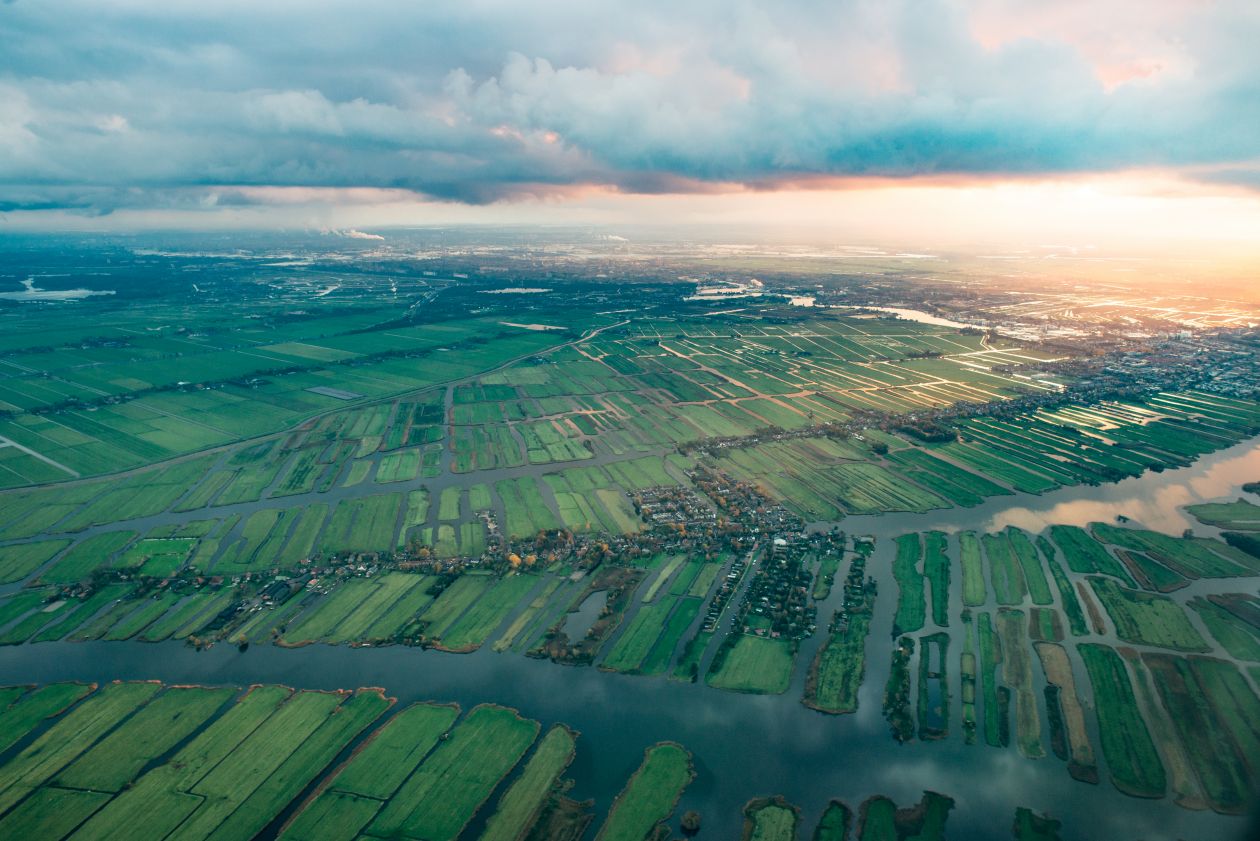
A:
[439,799]
[472,629]
[753,664]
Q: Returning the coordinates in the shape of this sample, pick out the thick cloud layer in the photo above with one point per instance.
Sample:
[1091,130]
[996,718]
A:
[139,104]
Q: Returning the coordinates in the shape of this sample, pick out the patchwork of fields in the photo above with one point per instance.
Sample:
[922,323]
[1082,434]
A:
[121,401]
[557,440]
[984,618]
[1100,597]
[367,481]
[166,397]
[153,761]
[81,764]
[467,485]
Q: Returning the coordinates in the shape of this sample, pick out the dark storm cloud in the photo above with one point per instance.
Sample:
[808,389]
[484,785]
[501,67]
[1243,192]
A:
[126,103]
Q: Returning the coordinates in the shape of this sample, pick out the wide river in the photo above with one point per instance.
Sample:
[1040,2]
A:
[748,746]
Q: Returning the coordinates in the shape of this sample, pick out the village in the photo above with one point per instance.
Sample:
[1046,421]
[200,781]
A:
[722,518]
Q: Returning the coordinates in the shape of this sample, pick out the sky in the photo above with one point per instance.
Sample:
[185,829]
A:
[1123,120]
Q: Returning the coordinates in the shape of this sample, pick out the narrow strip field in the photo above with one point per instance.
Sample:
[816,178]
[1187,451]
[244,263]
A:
[911,607]
[936,570]
[1131,756]
[974,591]
[1054,661]
[521,804]
[650,795]
[1017,674]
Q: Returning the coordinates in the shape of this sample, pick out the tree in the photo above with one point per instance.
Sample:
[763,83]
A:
[691,822]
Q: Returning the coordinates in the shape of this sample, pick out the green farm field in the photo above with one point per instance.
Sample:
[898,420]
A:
[753,664]
[451,491]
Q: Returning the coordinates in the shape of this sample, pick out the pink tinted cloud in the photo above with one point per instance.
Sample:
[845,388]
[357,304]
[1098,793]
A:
[1123,40]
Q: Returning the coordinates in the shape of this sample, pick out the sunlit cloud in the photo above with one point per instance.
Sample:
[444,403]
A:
[125,108]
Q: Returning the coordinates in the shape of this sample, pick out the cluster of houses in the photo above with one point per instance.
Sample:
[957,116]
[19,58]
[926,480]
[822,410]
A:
[777,603]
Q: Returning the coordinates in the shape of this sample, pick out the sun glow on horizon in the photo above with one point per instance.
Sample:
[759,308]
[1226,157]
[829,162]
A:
[1149,212]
